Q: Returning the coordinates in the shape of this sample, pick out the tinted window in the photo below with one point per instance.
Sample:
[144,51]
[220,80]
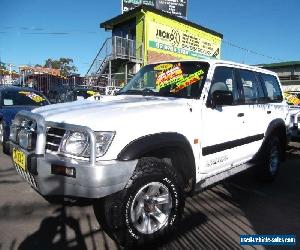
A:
[271,87]
[250,86]
[22,98]
[223,79]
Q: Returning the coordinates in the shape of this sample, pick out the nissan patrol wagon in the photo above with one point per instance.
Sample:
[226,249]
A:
[173,130]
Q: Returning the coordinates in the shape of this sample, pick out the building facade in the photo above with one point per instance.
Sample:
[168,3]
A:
[147,35]
[288,73]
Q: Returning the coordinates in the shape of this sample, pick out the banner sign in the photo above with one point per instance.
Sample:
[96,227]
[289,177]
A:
[174,7]
[178,39]
[131,4]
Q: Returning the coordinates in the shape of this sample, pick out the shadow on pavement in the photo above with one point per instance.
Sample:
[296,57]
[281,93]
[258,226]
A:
[52,234]
[190,221]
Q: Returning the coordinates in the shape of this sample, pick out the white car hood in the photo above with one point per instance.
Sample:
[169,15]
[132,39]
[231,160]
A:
[111,112]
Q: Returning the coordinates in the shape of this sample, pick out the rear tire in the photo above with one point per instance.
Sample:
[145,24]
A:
[271,159]
[5,147]
[148,209]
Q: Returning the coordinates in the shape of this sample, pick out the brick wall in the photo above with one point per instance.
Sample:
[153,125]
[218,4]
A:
[154,57]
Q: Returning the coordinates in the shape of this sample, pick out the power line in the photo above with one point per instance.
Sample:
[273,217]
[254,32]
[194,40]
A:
[250,50]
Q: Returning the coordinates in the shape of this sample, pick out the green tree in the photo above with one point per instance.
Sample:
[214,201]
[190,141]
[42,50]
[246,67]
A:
[64,64]
[2,65]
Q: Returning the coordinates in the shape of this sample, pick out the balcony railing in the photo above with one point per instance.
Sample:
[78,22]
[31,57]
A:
[115,48]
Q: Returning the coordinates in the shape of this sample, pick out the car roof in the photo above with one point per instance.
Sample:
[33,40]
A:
[222,62]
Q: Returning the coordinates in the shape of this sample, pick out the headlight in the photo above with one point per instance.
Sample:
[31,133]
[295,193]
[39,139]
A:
[77,143]
[74,143]
[103,141]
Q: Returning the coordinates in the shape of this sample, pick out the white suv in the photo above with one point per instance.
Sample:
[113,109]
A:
[173,130]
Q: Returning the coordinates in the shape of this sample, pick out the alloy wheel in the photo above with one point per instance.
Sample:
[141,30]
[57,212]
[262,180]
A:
[151,208]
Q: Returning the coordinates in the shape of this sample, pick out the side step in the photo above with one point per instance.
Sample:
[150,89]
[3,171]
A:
[214,179]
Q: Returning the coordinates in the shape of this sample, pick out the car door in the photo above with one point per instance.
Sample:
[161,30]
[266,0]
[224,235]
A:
[255,110]
[222,129]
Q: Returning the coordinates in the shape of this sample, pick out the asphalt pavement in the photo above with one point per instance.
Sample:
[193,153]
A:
[213,219]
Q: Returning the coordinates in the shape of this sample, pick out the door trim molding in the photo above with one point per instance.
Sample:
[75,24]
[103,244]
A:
[230,144]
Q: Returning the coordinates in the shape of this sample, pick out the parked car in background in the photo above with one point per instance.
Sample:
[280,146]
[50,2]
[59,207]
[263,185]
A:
[60,93]
[85,93]
[12,100]
[292,97]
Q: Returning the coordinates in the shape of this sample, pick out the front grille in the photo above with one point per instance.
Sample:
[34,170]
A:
[53,139]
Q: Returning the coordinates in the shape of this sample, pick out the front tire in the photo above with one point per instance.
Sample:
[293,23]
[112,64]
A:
[149,208]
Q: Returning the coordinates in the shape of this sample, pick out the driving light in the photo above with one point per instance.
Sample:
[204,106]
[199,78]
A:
[13,133]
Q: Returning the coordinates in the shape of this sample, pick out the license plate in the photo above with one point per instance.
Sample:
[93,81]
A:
[19,158]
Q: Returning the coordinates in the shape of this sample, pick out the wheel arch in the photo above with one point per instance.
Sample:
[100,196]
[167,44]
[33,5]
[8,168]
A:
[173,148]
[276,127]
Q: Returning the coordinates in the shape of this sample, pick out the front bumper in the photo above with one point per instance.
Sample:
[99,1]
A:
[91,181]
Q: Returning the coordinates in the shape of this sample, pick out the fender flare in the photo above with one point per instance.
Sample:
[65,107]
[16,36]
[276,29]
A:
[153,142]
[274,125]
[148,143]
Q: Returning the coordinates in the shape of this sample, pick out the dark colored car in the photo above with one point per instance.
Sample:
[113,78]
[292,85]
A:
[61,93]
[12,100]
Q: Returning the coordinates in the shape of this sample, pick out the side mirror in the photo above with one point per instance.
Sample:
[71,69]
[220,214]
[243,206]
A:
[222,98]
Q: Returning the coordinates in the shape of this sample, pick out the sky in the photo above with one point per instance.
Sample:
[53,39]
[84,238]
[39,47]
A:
[255,31]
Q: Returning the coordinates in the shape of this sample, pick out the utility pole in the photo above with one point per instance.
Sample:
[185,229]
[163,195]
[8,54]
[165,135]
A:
[10,79]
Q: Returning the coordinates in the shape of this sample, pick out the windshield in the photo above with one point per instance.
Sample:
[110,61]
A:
[23,98]
[176,79]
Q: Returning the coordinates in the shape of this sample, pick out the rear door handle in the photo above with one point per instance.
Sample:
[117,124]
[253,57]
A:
[240,114]
[269,112]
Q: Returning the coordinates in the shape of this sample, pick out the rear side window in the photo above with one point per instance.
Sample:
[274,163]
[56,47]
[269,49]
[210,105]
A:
[22,98]
[271,88]
[250,87]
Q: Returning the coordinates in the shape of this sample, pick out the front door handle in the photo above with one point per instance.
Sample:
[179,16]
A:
[269,112]
[240,114]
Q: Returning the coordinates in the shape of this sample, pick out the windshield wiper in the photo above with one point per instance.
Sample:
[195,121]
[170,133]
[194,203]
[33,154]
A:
[129,92]
[145,91]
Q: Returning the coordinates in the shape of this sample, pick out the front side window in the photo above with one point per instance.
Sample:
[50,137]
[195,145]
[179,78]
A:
[223,79]
[176,79]
[22,98]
